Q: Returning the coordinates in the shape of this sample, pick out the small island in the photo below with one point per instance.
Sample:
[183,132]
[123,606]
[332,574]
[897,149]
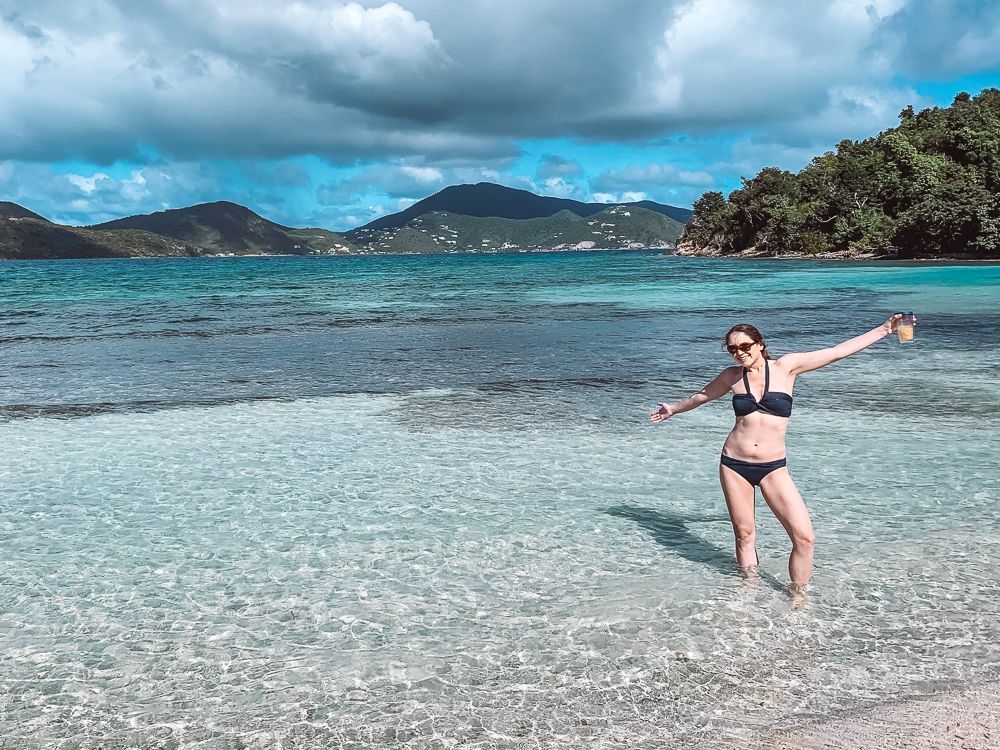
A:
[928,188]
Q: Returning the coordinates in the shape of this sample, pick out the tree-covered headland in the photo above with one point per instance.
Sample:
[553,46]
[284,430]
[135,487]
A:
[929,187]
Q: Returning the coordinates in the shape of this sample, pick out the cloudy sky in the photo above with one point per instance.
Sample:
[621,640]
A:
[326,113]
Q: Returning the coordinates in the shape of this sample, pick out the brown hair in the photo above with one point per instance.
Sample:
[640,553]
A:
[750,331]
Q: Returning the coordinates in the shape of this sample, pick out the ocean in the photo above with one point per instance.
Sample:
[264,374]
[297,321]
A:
[416,502]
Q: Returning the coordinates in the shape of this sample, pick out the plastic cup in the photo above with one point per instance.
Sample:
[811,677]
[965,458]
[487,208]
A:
[905,328]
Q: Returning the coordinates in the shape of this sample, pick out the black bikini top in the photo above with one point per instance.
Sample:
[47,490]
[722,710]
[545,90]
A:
[777,403]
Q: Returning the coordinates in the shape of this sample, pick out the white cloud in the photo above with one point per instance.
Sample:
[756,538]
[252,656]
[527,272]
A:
[561,188]
[426,93]
[758,61]
[226,80]
[339,52]
[104,79]
[939,39]
[553,165]
[633,195]
[384,35]
[655,177]
[423,175]
[86,184]
[97,196]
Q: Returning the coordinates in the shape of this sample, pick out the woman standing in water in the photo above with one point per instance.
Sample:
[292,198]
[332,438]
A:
[754,453]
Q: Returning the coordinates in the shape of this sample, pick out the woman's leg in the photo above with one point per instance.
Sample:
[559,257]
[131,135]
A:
[740,501]
[783,498]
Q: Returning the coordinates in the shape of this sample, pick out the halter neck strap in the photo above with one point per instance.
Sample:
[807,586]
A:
[767,381]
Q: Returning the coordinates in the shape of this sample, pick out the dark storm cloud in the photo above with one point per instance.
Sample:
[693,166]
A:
[108,79]
[227,79]
[411,181]
[553,165]
[935,38]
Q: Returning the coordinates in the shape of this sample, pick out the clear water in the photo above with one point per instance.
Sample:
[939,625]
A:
[415,502]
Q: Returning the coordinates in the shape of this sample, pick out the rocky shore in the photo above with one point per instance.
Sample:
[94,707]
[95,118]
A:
[691,250]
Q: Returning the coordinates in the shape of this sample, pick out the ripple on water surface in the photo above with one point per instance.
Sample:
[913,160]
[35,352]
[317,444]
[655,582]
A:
[211,538]
[328,571]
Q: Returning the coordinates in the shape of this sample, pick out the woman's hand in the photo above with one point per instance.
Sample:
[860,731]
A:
[662,414]
[892,323]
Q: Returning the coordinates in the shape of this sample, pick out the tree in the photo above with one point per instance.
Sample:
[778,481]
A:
[930,186]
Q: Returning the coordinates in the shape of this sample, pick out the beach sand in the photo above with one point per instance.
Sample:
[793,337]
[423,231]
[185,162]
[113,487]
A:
[960,721]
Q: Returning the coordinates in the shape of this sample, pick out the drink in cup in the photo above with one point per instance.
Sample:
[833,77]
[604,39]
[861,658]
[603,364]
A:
[904,328]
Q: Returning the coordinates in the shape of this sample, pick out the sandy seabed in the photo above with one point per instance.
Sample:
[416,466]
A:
[956,721]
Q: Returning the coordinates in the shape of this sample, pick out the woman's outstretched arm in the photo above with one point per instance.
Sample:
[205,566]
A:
[806,361]
[716,389]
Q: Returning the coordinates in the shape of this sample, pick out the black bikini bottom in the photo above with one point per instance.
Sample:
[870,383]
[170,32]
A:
[753,472]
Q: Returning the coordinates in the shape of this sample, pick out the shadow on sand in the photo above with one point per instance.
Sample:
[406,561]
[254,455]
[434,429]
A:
[671,531]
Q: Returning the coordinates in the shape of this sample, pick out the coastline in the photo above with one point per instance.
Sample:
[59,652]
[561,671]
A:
[376,254]
[968,719]
[839,255]
[958,258]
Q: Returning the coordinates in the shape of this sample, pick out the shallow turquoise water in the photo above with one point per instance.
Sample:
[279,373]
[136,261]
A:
[415,502]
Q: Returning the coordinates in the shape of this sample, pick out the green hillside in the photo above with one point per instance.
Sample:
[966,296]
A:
[208,229]
[929,187]
[442,232]
[228,228]
[487,199]
[224,228]
[10,210]
[36,238]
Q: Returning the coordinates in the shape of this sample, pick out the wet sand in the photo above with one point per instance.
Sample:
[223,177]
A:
[960,721]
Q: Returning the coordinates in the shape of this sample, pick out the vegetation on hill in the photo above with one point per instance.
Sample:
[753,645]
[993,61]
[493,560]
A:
[926,188]
[30,238]
[476,224]
[227,228]
[10,210]
[443,232]
[207,229]
[486,199]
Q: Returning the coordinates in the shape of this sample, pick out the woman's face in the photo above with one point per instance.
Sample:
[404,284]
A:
[743,349]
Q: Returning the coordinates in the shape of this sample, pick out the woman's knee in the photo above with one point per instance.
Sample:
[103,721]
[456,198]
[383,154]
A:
[803,539]
[744,533]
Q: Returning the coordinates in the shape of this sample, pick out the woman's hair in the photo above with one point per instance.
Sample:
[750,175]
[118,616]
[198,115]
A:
[750,331]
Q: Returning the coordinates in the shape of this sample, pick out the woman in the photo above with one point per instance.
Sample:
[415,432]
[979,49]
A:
[754,453]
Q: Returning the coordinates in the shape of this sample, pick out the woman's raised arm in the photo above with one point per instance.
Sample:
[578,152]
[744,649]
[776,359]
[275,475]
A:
[800,362]
[716,389]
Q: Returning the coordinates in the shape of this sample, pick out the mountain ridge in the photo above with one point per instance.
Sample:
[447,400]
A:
[616,227]
[9,210]
[531,223]
[25,235]
[487,199]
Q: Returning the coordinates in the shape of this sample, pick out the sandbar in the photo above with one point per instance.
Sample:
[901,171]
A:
[966,720]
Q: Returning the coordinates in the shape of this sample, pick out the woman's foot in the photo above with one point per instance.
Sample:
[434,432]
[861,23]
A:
[797,595]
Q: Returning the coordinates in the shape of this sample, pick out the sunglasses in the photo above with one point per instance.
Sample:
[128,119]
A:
[745,348]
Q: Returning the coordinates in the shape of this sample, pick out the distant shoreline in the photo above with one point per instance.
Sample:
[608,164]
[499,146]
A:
[958,258]
[477,253]
[839,255]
